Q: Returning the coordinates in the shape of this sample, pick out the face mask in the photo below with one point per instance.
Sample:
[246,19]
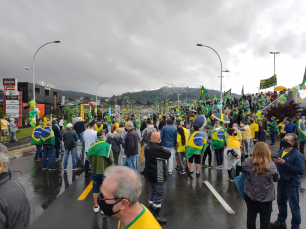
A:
[241,125]
[235,134]
[108,208]
[252,121]
[286,144]
[125,129]
[235,127]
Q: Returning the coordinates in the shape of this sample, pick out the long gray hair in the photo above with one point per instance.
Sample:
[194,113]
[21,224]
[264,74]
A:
[4,157]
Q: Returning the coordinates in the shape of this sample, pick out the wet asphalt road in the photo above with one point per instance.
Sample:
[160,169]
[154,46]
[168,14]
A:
[188,203]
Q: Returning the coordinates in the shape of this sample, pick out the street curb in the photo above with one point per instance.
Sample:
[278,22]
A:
[17,153]
[19,147]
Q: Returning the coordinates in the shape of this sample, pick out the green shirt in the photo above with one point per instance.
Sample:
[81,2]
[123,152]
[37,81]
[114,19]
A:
[273,126]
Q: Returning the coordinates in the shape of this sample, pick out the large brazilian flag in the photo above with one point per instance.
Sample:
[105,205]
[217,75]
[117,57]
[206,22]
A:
[47,136]
[137,123]
[196,144]
[217,141]
[108,119]
[99,148]
[36,134]
[300,127]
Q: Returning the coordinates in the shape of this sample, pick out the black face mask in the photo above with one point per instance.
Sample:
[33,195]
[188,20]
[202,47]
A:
[125,129]
[108,208]
[286,144]
[235,134]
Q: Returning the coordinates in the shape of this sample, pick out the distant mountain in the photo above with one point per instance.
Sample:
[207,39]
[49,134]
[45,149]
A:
[171,93]
[75,94]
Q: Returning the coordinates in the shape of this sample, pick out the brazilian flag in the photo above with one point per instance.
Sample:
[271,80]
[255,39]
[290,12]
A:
[217,141]
[236,114]
[36,134]
[108,119]
[208,122]
[248,111]
[196,144]
[47,136]
[137,123]
[300,127]
[207,110]
[179,118]
[99,148]
[203,92]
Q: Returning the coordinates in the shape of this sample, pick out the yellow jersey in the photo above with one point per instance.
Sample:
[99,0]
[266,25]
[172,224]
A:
[181,147]
[98,128]
[246,134]
[254,128]
[233,142]
[4,124]
[284,153]
[145,220]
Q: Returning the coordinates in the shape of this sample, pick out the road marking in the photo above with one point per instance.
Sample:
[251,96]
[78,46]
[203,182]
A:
[220,199]
[86,191]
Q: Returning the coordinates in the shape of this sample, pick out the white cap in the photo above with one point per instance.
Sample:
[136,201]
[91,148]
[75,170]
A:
[69,125]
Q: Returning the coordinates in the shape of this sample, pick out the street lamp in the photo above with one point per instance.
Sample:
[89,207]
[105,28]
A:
[178,97]
[27,68]
[96,95]
[274,59]
[166,99]
[221,71]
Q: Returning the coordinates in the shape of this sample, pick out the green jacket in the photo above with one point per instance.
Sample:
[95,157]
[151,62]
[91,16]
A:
[273,126]
[264,124]
[101,156]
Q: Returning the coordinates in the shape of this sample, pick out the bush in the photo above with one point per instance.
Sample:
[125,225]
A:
[282,111]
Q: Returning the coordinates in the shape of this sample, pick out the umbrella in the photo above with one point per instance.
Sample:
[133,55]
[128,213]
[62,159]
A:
[280,88]
[200,120]
[219,117]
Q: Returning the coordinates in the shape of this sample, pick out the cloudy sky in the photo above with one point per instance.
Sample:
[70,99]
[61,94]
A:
[143,45]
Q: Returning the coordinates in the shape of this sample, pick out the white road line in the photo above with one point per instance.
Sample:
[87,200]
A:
[220,199]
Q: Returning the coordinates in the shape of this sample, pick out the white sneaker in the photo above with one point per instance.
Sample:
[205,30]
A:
[96,210]
[102,213]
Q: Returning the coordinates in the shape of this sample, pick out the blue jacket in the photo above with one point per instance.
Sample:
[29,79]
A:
[168,136]
[57,134]
[292,169]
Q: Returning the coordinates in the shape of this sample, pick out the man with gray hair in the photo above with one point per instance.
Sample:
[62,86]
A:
[291,164]
[14,205]
[119,195]
[130,146]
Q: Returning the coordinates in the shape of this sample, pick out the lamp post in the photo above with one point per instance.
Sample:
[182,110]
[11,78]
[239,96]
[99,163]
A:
[178,97]
[274,60]
[166,99]
[34,72]
[160,101]
[221,71]
[97,94]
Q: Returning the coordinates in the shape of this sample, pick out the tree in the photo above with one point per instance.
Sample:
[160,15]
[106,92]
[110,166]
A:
[102,101]
[111,102]
[149,103]
[87,98]
[138,102]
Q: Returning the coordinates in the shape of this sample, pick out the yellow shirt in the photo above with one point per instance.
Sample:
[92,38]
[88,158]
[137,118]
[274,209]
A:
[254,127]
[4,127]
[247,133]
[239,135]
[284,153]
[232,142]
[181,147]
[145,220]
[282,130]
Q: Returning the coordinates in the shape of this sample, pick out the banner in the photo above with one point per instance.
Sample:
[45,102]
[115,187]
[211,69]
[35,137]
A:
[270,82]
[207,97]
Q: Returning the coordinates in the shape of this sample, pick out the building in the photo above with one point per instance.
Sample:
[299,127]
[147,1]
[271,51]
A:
[48,99]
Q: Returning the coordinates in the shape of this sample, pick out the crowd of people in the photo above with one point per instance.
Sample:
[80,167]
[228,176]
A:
[236,138]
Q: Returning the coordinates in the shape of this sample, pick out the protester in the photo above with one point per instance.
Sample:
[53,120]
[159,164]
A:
[281,126]
[289,127]
[79,128]
[69,139]
[180,148]
[48,142]
[162,123]
[100,154]
[186,133]
[156,173]
[4,129]
[58,139]
[301,131]
[254,130]
[207,152]
[89,137]
[14,205]
[130,146]
[247,140]
[147,132]
[217,144]
[98,125]
[272,127]
[12,129]
[264,128]
[143,125]
[260,172]
[119,195]
[232,153]
[168,137]
[115,140]
[290,164]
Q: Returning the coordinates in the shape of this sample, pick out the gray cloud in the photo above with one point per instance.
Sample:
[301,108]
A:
[140,45]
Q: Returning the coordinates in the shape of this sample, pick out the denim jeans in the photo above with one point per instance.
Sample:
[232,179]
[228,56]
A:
[156,194]
[219,156]
[38,150]
[116,157]
[171,159]
[48,153]
[273,132]
[73,157]
[79,136]
[12,136]
[288,193]
[130,162]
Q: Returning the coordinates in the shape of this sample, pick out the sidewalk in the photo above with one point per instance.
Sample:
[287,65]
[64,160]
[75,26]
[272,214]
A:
[21,143]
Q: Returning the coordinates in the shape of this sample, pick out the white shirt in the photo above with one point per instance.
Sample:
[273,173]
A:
[89,137]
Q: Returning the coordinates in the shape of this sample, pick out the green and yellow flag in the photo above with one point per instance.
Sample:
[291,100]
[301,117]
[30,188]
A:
[108,119]
[99,148]
[207,110]
[304,79]
[217,141]
[207,97]
[242,91]
[196,144]
[215,97]
[203,92]
[208,122]
[36,134]
[300,127]
[47,136]
[137,123]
